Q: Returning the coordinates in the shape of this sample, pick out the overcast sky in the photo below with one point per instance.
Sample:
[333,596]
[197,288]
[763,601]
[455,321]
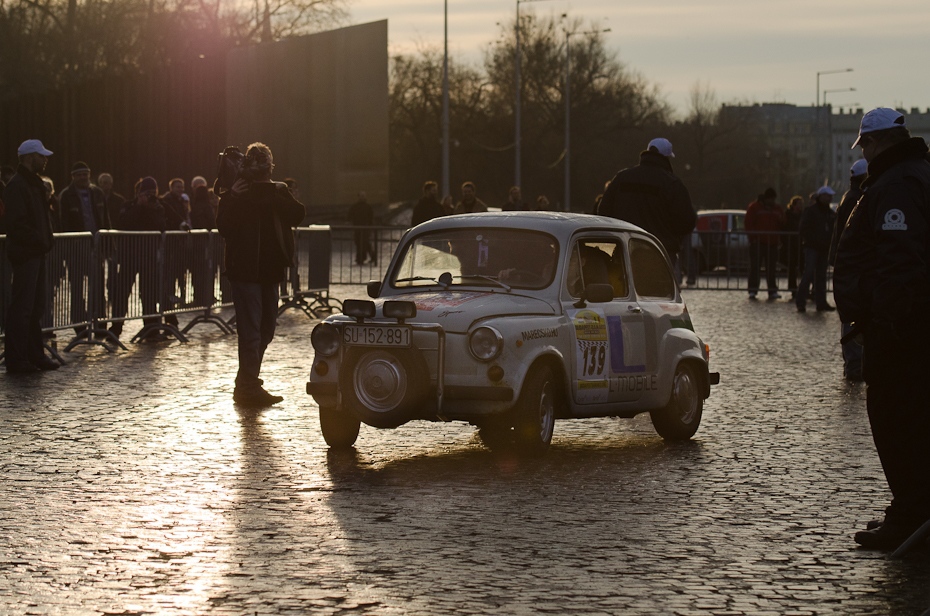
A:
[744,50]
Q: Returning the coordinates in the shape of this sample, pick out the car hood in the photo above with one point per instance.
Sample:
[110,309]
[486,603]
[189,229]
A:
[457,310]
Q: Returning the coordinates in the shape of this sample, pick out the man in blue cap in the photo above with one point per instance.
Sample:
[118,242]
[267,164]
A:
[882,288]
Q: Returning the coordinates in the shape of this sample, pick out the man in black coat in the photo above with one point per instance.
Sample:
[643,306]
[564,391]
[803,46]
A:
[29,240]
[882,286]
[83,207]
[815,231]
[650,196]
[256,218]
[428,207]
[852,349]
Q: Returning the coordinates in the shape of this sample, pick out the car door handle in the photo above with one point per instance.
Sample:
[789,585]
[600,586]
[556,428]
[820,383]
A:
[635,309]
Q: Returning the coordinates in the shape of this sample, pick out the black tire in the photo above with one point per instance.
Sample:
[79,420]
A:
[680,418]
[534,417]
[339,428]
[383,387]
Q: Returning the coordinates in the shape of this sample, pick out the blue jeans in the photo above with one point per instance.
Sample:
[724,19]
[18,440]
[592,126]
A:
[256,314]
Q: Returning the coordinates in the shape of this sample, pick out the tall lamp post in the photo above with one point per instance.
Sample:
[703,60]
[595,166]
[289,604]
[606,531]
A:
[825,92]
[518,87]
[568,113]
[819,73]
[446,189]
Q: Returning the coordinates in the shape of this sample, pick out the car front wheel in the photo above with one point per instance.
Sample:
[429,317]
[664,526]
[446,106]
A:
[339,427]
[534,419]
[680,418]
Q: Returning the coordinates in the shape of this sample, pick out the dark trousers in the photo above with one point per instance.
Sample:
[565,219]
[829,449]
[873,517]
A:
[815,272]
[256,316]
[852,355]
[364,247]
[28,297]
[900,420]
[760,253]
[793,260]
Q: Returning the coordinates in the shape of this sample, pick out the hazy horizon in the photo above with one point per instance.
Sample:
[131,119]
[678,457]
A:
[746,51]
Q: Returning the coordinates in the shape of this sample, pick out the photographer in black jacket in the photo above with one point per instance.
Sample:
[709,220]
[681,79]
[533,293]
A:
[881,284]
[256,218]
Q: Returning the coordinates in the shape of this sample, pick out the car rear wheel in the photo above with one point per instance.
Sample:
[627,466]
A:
[534,419]
[680,418]
[339,427]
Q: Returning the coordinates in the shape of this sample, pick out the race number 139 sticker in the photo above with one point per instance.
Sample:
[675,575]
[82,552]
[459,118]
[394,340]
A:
[592,355]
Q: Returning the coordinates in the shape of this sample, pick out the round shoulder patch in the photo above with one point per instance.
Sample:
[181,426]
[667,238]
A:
[894,221]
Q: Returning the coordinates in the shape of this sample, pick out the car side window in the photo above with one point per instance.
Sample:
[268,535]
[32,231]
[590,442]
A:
[597,262]
[651,275]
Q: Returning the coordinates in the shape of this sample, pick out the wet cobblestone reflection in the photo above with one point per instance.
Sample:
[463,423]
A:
[131,484]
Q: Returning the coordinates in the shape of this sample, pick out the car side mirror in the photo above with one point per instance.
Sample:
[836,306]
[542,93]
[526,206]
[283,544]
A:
[374,288]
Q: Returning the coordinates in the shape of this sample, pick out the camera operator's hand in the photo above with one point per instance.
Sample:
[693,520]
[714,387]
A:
[239,187]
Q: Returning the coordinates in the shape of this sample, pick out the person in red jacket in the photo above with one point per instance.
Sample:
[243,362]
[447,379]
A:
[764,220]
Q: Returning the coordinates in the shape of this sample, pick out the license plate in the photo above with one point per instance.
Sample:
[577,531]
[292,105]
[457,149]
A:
[376,335]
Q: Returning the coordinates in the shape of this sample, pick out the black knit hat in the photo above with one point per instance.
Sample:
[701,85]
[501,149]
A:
[78,167]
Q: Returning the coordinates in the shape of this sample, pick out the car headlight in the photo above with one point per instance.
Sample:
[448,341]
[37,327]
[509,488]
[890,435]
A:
[485,343]
[325,339]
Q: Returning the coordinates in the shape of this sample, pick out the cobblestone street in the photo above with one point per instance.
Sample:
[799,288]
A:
[131,484]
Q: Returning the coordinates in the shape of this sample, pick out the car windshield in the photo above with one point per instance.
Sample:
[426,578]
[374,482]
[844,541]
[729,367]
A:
[502,258]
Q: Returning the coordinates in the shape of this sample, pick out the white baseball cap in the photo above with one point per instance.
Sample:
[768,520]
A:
[32,146]
[860,167]
[880,118]
[664,146]
[825,190]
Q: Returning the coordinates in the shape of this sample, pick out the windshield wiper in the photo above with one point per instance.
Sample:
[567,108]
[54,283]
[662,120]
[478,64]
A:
[415,278]
[489,279]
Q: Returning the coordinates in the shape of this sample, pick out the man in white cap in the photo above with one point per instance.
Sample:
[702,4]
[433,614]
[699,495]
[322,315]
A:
[815,231]
[852,349]
[29,240]
[882,287]
[650,196]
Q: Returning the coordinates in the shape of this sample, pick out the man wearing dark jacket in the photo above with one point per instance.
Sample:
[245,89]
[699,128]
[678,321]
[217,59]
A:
[764,220]
[428,207]
[882,287]
[83,207]
[815,232]
[256,218]
[29,240]
[650,196]
[852,349]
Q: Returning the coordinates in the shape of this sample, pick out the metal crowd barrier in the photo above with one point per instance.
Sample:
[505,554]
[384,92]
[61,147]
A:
[117,276]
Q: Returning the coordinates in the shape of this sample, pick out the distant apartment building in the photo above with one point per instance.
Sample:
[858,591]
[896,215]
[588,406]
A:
[812,145]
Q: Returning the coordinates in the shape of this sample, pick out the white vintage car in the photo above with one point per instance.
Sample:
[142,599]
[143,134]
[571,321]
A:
[510,321]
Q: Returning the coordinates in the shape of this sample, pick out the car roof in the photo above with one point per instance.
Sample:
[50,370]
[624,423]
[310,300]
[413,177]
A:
[562,225]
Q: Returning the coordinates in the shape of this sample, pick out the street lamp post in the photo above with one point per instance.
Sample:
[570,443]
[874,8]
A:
[568,114]
[518,87]
[825,92]
[819,73]
[446,189]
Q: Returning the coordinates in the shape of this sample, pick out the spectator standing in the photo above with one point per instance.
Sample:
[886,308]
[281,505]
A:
[792,244]
[203,216]
[177,218]
[83,208]
[29,240]
[815,231]
[852,348]
[139,256]
[256,217]
[542,204]
[470,202]
[650,196]
[882,288]
[428,207]
[514,202]
[6,174]
[765,220]
[114,201]
[362,215]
